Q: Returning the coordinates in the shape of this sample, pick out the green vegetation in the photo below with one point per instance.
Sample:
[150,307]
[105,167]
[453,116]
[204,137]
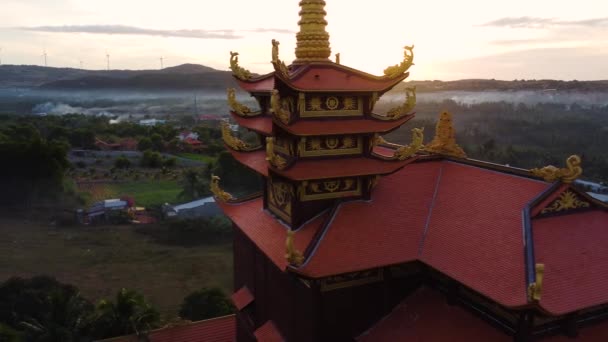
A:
[198,157]
[520,135]
[204,304]
[148,193]
[104,259]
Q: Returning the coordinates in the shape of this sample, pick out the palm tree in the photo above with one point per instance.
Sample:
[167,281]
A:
[130,313]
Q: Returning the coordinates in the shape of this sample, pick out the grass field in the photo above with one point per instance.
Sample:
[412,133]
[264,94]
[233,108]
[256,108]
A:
[102,260]
[145,193]
[198,157]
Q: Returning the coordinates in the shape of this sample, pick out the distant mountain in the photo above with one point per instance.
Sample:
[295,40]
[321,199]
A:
[485,85]
[179,77]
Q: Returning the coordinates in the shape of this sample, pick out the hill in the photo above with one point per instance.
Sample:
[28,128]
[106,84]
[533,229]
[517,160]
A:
[499,85]
[31,76]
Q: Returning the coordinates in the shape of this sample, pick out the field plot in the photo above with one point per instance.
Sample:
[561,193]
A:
[102,260]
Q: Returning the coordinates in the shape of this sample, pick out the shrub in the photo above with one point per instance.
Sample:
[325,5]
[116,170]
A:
[122,162]
[205,303]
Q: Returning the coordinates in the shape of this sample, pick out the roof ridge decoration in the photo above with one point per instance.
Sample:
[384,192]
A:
[273,158]
[218,193]
[399,69]
[236,106]
[234,142]
[312,42]
[293,256]
[238,71]
[535,289]
[416,145]
[567,175]
[277,108]
[279,65]
[444,141]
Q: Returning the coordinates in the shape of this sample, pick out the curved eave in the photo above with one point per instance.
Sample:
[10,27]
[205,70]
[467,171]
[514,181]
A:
[260,84]
[333,77]
[256,160]
[341,167]
[343,126]
[261,123]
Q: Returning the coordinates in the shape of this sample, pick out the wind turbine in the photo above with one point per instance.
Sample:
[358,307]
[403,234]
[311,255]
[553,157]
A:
[161,62]
[108,60]
[44,54]
[0,56]
[81,63]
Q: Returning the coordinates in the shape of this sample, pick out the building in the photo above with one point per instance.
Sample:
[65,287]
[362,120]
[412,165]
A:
[355,238]
[204,207]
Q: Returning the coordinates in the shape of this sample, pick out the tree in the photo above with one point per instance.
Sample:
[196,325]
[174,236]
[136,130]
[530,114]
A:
[205,303]
[42,309]
[151,159]
[157,142]
[129,313]
[145,144]
[194,185]
[122,162]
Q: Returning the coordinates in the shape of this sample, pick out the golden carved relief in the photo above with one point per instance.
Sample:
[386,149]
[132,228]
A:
[217,192]
[331,188]
[445,139]
[273,158]
[280,195]
[569,174]
[330,145]
[316,106]
[293,256]
[238,71]
[567,200]
[278,107]
[416,145]
[279,66]
[237,107]
[283,145]
[401,68]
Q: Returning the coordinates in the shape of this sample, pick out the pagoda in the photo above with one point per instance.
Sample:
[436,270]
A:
[355,238]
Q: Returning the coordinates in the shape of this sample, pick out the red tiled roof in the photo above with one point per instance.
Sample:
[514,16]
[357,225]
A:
[344,126]
[266,231]
[264,83]
[462,220]
[253,160]
[336,77]
[341,167]
[260,123]
[365,238]
[221,329]
[426,316]
[575,253]
[474,233]
[268,332]
[242,298]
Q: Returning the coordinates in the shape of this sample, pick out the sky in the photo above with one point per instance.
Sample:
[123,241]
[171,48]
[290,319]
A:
[515,39]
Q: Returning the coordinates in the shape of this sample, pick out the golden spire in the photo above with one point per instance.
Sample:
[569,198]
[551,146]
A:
[312,40]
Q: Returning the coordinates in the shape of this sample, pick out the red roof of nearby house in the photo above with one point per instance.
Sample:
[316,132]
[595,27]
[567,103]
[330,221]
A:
[221,329]
[267,232]
[242,298]
[575,253]
[268,332]
[426,316]
[261,123]
[191,141]
[261,84]
[324,77]
[344,126]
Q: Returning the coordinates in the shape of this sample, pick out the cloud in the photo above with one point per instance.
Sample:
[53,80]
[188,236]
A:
[132,30]
[535,22]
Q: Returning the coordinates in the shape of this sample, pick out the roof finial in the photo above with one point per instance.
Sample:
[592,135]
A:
[312,40]
[445,140]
